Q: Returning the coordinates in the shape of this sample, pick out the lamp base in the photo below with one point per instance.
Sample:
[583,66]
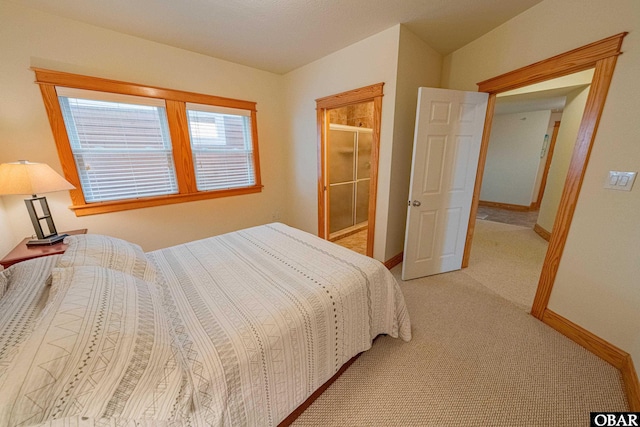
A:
[51,240]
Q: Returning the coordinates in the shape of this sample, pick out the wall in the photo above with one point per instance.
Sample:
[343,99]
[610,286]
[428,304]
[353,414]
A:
[403,62]
[513,157]
[367,62]
[565,142]
[32,38]
[7,239]
[597,284]
[418,65]
[555,117]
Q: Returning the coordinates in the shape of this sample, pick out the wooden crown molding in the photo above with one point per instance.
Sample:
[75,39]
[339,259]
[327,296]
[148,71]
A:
[569,62]
[356,96]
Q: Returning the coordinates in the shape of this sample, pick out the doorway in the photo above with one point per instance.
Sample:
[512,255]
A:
[348,144]
[508,255]
[516,206]
[349,173]
[602,56]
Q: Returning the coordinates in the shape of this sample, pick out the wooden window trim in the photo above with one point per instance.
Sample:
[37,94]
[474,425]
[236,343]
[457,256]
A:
[60,78]
[175,101]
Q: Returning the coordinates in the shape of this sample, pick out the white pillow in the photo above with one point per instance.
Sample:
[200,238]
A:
[103,349]
[4,281]
[25,296]
[108,252]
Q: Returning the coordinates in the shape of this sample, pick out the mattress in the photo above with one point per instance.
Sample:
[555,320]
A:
[237,329]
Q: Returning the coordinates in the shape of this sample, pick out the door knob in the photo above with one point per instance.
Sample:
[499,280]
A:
[416,203]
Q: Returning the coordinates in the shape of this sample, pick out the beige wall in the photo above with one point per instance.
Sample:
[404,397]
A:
[31,38]
[555,117]
[418,65]
[597,285]
[565,142]
[403,62]
[7,239]
[367,62]
[513,157]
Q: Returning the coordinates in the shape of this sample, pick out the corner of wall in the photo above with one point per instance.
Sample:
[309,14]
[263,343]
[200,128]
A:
[446,71]
[418,65]
[8,238]
[369,61]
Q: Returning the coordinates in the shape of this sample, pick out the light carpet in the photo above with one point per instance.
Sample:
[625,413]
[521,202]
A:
[475,360]
[508,260]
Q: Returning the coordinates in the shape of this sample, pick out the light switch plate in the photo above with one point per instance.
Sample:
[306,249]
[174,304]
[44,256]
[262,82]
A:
[622,181]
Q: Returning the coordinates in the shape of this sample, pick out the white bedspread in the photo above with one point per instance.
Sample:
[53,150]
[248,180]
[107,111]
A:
[234,330]
[266,315]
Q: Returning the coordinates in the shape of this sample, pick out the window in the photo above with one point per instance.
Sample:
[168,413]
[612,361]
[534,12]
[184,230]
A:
[121,147]
[126,146]
[221,147]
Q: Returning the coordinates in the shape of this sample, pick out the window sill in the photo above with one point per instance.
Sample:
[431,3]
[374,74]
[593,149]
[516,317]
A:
[123,205]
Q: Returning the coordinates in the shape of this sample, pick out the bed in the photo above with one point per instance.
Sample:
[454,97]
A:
[238,329]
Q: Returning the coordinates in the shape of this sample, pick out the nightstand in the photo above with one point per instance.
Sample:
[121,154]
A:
[22,252]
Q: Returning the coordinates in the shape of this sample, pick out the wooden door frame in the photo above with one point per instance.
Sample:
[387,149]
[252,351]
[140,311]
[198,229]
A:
[372,93]
[602,56]
[547,164]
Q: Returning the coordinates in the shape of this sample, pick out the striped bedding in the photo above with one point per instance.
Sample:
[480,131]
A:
[234,330]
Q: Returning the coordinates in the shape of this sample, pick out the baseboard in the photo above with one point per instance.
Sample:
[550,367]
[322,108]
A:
[542,232]
[390,263]
[601,348]
[507,206]
[632,385]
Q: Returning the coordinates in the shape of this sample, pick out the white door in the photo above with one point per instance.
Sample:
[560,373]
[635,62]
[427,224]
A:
[446,147]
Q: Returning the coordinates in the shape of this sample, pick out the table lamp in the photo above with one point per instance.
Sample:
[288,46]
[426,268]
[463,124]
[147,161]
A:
[23,177]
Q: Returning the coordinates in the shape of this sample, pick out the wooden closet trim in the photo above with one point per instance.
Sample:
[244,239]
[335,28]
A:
[372,93]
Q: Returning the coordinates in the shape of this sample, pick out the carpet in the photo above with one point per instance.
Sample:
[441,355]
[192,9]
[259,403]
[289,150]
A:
[508,260]
[475,359]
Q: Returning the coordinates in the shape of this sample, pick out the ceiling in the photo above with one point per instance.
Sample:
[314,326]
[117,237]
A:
[523,105]
[547,95]
[282,35]
[553,99]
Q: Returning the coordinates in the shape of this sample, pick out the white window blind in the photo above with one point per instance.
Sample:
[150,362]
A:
[222,147]
[121,144]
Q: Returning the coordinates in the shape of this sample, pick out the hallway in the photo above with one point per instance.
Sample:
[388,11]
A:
[523,219]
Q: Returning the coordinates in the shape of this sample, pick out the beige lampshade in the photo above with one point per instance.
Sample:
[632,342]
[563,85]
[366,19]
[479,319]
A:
[24,177]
